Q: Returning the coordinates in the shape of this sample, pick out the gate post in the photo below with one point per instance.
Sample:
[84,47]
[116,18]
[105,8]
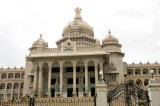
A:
[101,90]
[154,92]
[31,101]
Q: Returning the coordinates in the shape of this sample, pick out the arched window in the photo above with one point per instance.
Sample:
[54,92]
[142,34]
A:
[137,72]
[130,72]
[145,71]
[22,85]
[22,75]
[146,82]
[131,81]
[4,76]
[10,76]
[17,75]
[139,82]
[2,86]
[16,86]
[9,86]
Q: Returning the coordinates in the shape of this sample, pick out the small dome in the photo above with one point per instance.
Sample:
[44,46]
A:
[78,25]
[109,39]
[40,42]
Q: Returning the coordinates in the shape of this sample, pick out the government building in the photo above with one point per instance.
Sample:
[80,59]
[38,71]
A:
[72,68]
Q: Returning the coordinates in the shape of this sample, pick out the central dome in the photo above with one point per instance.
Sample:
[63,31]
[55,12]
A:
[77,25]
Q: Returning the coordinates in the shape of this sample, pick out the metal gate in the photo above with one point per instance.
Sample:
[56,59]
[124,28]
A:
[128,94]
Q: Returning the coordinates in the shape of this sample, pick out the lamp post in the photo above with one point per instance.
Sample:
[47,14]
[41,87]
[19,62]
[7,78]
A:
[152,72]
[32,101]
[101,76]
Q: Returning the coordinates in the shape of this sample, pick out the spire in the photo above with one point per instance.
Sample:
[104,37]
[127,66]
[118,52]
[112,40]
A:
[109,32]
[77,13]
[40,35]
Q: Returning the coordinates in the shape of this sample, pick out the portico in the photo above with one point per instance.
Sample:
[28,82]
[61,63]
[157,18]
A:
[67,74]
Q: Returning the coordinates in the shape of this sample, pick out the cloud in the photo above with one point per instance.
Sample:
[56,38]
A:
[135,23]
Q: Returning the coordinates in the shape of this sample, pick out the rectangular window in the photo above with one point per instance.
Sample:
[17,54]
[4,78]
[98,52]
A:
[92,80]
[70,81]
[91,68]
[69,69]
[53,81]
[55,70]
[112,77]
[77,81]
[77,69]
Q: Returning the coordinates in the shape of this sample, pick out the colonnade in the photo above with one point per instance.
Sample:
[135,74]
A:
[11,88]
[38,68]
[142,71]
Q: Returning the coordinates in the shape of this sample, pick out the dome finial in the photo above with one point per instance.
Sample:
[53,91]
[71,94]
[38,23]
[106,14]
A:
[109,31]
[77,13]
[40,35]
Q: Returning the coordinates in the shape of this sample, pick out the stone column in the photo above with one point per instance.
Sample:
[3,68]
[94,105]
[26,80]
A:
[35,79]
[12,91]
[156,71]
[141,71]
[5,90]
[61,78]
[86,76]
[149,69]
[74,78]
[7,76]
[133,72]
[49,79]
[19,90]
[96,73]
[101,90]
[154,92]
[40,81]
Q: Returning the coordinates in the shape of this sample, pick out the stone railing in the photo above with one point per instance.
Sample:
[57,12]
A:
[48,50]
[12,69]
[85,48]
[143,64]
[67,101]
[55,50]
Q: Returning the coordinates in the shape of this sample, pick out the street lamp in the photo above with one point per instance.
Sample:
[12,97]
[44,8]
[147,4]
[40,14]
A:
[101,74]
[152,72]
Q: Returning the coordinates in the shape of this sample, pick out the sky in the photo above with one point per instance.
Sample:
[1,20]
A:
[136,23]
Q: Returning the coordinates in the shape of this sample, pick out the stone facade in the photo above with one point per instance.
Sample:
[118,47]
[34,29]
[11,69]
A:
[11,82]
[72,69]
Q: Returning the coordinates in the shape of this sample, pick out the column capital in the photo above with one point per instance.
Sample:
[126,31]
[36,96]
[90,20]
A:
[40,69]
[74,63]
[101,60]
[96,62]
[35,64]
[85,62]
[40,64]
[61,63]
[49,64]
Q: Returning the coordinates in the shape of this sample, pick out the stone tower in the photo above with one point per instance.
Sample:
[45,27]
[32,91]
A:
[114,70]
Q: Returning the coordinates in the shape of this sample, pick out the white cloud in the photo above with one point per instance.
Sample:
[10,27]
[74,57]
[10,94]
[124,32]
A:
[134,22]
